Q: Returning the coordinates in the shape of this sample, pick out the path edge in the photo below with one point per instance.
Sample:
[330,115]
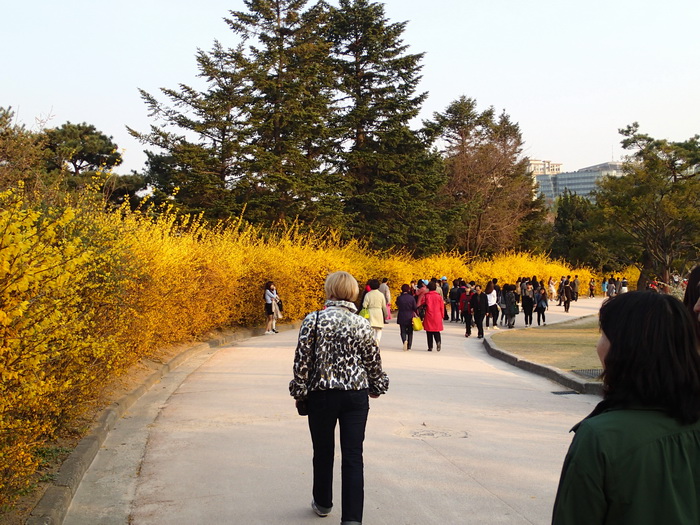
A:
[557,375]
[53,506]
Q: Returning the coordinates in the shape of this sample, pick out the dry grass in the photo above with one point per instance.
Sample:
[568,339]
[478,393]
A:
[568,346]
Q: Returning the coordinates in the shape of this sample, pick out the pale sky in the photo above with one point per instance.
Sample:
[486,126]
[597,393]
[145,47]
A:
[571,74]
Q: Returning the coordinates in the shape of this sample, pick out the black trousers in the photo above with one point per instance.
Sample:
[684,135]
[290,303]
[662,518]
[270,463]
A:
[493,310]
[479,320]
[454,310]
[528,306]
[407,333]
[431,336]
[540,315]
[350,409]
[468,320]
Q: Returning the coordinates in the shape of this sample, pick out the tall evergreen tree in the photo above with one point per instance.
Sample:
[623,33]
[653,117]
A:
[488,183]
[572,229]
[393,178]
[288,169]
[202,135]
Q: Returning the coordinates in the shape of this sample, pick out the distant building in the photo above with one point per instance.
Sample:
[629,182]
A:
[581,182]
[543,167]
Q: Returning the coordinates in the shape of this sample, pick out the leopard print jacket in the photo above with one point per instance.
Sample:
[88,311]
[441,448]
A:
[339,353]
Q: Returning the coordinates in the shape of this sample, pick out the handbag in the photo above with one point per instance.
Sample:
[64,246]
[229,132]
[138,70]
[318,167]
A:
[279,305]
[364,313]
[421,311]
[302,407]
[417,324]
[303,404]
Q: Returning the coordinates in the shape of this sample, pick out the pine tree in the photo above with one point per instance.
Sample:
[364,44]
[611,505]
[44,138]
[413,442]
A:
[288,169]
[393,177]
[202,135]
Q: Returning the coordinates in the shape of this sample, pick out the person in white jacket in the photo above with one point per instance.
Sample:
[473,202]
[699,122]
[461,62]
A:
[375,302]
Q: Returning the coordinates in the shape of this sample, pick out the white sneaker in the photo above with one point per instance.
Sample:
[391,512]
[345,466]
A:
[496,328]
[268,332]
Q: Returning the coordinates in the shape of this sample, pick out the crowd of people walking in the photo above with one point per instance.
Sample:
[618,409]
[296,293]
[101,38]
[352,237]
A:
[480,308]
[632,460]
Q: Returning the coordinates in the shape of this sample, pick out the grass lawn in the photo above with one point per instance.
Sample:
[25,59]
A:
[568,346]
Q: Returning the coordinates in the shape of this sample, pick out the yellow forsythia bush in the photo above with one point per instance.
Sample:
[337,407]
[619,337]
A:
[55,345]
[85,293]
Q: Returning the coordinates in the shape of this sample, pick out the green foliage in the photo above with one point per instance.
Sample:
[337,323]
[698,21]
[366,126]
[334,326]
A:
[572,229]
[655,207]
[307,121]
[82,149]
[393,197]
[287,174]
[202,136]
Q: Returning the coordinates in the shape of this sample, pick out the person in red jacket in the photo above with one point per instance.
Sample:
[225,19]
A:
[434,310]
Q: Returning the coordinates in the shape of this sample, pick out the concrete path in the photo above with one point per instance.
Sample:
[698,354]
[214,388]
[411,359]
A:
[461,438]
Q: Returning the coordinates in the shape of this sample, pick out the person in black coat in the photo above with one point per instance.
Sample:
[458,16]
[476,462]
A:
[480,308]
[407,307]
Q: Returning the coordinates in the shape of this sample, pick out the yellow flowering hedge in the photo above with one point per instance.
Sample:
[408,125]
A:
[85,293]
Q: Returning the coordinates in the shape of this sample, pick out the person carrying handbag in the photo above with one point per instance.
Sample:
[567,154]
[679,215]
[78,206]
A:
[337,368]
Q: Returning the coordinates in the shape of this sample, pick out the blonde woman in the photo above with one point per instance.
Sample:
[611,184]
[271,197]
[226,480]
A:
[337,368]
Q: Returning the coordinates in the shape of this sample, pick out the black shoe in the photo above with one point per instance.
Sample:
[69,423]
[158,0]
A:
[275,331]
[430,349]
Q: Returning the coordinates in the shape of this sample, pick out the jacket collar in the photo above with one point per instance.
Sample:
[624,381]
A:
[343,304]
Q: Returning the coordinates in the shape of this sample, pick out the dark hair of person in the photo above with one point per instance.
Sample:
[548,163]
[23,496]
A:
[373,284]
[421,284]
[386,279]
[405,288]
[692,293]
[489,287]
[268,284]
[653,359]
[432,286]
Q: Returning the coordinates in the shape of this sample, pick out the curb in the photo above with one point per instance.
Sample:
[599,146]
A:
[53,505]
[557,375]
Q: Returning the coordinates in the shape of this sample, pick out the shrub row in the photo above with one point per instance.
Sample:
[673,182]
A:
[84,294]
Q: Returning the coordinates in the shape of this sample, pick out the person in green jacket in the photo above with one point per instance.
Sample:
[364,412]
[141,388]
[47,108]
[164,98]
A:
[636,458]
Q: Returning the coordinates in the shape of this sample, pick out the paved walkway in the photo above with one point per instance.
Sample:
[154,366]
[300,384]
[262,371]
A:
[461,438]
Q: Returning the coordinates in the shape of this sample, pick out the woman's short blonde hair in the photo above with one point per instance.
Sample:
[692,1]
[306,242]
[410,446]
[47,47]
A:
[342,286]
